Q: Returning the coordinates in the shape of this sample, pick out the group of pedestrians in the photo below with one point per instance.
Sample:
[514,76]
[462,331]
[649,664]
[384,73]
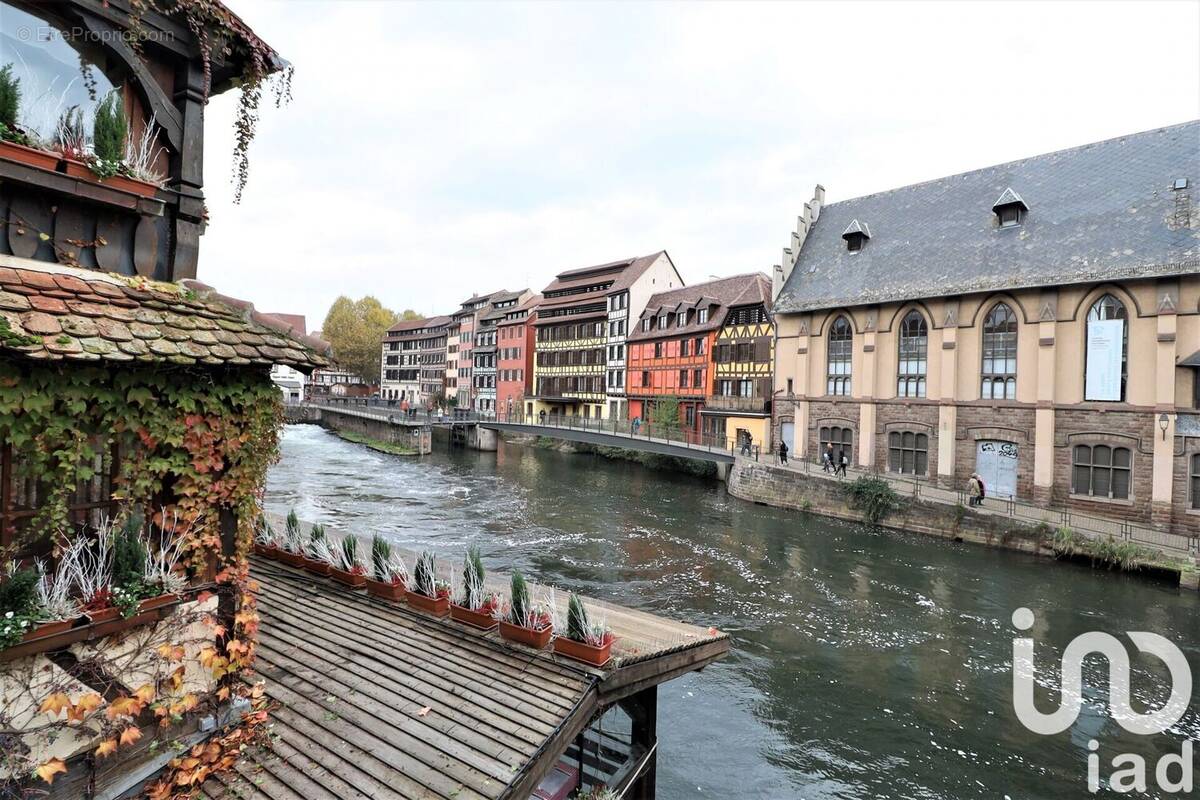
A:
[834,462]
[976,490]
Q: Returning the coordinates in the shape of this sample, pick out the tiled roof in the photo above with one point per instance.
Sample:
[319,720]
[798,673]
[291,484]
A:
[1103,211]
[528,307]
[54,312]
[405,325]
[622,273]
[296,321]
[737,290]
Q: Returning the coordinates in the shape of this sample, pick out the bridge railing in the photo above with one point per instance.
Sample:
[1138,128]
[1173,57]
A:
[632,429]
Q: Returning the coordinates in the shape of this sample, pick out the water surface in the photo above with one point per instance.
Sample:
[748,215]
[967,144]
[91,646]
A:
[865,664]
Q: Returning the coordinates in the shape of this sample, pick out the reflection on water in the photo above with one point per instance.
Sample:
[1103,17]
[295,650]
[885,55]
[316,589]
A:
[866,664]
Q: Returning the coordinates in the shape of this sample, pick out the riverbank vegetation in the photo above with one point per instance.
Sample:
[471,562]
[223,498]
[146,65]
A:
[874,497]
[391,448]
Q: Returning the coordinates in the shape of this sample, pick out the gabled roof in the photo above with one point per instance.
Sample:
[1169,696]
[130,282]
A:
[52,312]
[719,296]
[295,321]
[856,227]
[620,275]
[407,325]
[1009,198]
[1103,211]
[528,307]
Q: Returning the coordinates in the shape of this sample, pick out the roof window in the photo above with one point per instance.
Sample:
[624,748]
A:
[856,235]
[1009,208]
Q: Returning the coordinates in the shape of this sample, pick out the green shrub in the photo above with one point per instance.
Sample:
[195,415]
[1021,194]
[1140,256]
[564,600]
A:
[518,611]
[110,128]
[873,497]
[10,101]
[473,574]
[129,556]
[18,593]
[381,552]
[578,624]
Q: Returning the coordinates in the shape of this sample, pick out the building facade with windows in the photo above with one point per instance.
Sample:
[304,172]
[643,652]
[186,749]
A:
[572,374]
[1037,322]
[414,361]
[743,367]
[486,350]
[460,373]
[514,364]
[672,346]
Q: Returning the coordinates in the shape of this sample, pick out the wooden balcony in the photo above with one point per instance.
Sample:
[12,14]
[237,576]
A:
[748,405]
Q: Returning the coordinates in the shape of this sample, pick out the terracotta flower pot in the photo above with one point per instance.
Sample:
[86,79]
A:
[475,619]
[386,590]
[352,579]
[529,637]
[317,566]
[103,614]
[260,549]
[48,629]
[581,651]
[78,169]
[438,607]
[157,602]
[290,558]
[30,156]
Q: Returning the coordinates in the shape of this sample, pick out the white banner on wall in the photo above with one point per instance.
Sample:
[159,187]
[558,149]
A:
[1104,345]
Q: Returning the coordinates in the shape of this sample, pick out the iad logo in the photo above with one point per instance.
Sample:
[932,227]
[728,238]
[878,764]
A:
[1133,778]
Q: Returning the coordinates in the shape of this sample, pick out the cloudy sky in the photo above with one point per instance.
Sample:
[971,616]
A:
[434,150]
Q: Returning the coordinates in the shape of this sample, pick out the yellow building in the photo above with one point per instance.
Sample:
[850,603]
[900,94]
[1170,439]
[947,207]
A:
[1037,322]
[743,357]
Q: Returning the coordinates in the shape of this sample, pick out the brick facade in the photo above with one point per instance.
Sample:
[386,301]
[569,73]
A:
[977,423]
[902,417]
[1186,517]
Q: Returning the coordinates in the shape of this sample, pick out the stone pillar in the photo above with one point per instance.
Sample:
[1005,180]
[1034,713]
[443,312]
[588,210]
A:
[722,471]
[866,434]
[800,417]
[947,392]
[1164,403]
[864,388]
[1043,436]
[802,388]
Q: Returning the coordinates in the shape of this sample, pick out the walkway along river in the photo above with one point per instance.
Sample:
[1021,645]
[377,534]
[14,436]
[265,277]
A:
[866,663]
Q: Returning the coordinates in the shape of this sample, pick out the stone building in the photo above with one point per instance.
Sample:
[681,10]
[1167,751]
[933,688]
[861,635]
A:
[1037,322]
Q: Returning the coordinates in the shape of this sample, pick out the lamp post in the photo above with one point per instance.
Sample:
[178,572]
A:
[1164,422]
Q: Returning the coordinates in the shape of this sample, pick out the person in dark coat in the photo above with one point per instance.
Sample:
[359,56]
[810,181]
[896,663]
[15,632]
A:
[783,452]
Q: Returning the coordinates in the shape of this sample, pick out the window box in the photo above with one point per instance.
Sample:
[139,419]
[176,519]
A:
[48,629]
[77,169]
[158,602]
[529,637]
[476,619]
[437,606]
[30,156]
[581,651]
[355,580]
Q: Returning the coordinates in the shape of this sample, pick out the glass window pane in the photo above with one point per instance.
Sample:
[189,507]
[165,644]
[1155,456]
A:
[1101,477]
[907,461]
[1083,454]
[1120,457]
[1120,484]
[1101,455]
[922,462]
[894,460]
[1081,482]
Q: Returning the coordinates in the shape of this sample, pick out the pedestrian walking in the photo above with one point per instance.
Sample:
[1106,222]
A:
[982,489]
[746,445]
[783,452]
[974,489]
[843,462]
[827,464]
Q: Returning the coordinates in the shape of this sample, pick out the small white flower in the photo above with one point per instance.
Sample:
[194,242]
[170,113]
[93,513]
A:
[8,615]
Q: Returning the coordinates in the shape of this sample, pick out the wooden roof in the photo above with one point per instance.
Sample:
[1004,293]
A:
[379,701]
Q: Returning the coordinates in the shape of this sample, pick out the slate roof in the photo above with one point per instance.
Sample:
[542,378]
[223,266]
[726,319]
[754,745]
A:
[407,325]
[54,312]
[1102,211]
[726,293]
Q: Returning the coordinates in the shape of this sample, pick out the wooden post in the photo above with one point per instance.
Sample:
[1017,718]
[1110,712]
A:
[643,710]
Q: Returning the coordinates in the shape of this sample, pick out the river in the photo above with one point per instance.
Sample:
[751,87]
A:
[866,663]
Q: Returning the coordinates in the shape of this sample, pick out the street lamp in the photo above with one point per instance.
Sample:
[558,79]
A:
[1164,422]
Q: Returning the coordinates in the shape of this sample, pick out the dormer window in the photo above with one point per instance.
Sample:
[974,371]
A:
[702,316]
[681,319]
[646,324]
[856,235]
[662,322]
[1009,208]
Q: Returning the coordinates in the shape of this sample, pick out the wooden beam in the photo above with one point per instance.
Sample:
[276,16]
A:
[644,674]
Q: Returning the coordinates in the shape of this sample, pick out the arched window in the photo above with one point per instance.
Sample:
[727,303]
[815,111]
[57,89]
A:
[1101,471]
[908,452]
[1195,481]
[841,345]
[999,372]
[914,355]
[1106,371]
[842,439]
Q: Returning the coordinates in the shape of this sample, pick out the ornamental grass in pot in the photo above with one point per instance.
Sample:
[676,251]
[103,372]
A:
[266,539]
[475,606]
[162,581]
[585,640]
[112,157]
[21,617]
[15,143]
[389,576]
[526,622]
[427,593]
[349,568]
[319,555]
[292,551]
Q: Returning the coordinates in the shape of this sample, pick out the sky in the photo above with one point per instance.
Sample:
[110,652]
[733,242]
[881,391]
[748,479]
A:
[435,150]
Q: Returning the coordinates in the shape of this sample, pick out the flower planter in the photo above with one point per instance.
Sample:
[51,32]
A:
[475,619]
[77,169]
[290,558]
[386,590]
[352,579]
[262,550]
[316,566]
[529,637]
[439,606]
[103,615]
[157,602]
[48,629]
[30,156]
[581,651]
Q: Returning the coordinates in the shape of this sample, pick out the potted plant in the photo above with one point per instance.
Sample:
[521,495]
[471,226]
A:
[319,554]
[349,569]
[266,539]
[525,622]
[162,582]
[56,609]
[15,144]
[18,605]
[89,562]
[425,591]
[476,606]
[292,550]
[389,578]
[584,641]
[129,557]
[115,159]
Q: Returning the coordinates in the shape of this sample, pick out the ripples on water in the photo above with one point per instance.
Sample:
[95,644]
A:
[866,663]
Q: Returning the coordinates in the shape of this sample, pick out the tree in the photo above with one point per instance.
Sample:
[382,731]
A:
[409,314]
[355,328]
[665,416]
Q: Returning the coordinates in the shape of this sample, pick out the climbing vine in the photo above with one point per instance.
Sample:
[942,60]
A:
[218,30]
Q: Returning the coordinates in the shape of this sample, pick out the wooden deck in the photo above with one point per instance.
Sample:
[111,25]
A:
[380,701]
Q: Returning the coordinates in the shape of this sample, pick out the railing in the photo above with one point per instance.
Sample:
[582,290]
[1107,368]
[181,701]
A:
[1094,527]
[722,402]
[632,429]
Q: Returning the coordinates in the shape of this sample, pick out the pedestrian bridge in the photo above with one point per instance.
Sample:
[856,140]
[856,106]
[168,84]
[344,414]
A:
[469,427]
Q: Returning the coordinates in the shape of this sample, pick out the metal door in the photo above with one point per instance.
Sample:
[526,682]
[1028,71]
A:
[787,432]
[996,463]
